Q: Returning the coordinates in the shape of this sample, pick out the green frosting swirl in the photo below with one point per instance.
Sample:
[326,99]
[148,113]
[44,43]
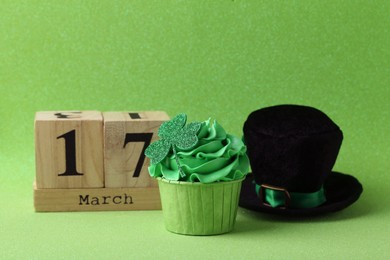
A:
[216,157]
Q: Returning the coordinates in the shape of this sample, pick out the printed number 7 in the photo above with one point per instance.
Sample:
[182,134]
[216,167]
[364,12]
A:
[139,137]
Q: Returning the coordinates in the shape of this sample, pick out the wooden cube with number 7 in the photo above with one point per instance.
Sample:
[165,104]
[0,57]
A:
[126,136]
[69,149]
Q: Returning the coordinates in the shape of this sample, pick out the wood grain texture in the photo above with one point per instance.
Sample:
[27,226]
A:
[50,149]
[96,199]
[121,158]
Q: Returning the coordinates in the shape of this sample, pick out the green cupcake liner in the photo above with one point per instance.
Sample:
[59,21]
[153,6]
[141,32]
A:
[194,208]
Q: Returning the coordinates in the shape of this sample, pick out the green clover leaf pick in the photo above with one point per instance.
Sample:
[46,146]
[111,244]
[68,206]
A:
[173,133]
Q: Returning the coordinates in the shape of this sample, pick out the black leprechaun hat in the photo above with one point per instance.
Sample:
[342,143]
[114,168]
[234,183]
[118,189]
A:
[292,150]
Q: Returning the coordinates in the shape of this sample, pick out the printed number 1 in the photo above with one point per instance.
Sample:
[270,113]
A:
[70,154]
[139,137]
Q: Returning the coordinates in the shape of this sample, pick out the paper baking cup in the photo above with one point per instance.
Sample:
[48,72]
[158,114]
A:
[199,209]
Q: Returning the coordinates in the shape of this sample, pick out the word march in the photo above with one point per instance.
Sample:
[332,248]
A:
[105,200]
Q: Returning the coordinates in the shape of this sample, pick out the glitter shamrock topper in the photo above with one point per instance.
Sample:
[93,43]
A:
[174,133]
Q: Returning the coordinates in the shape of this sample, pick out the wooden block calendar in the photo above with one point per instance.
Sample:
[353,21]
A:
[93,161]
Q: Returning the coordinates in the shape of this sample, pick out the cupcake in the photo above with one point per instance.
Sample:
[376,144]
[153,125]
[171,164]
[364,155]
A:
[199,168]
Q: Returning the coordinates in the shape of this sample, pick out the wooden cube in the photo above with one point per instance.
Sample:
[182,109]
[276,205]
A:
[126,136]
[69,149]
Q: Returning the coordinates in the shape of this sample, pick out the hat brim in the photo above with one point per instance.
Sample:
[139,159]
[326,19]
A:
[341,190]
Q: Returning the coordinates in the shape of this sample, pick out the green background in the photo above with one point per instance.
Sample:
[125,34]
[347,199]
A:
[222,59]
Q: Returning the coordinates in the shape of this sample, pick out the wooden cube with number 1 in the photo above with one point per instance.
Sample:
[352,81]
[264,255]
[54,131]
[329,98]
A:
[69,149]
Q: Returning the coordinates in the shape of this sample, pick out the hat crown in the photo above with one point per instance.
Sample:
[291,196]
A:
[292,146]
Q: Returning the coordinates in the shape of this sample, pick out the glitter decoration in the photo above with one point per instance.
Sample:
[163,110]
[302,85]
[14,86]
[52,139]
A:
[174,133]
